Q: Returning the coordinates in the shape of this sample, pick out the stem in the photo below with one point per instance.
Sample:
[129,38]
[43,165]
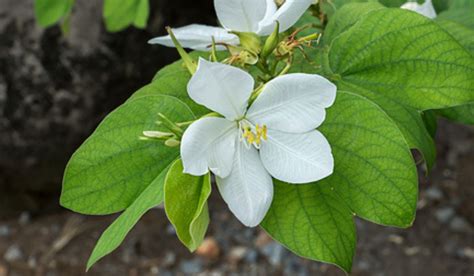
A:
[172,127]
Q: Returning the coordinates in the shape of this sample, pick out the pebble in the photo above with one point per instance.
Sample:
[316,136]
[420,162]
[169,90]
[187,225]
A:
[396,239]
[273,252]
[3,270]
[13,254]
[251,256]
[467,253]
[237,254]
[459,224]
[433,193]
[445,214]
[170,230]
[154,270]
[263,239]
[191,266]
[4,231]
[32,262]
[410,251]
[169,259]
[24,218]
[209,249]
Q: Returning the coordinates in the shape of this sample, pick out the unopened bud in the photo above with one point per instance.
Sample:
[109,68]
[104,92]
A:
[172,143]
[272,42]
[157,134]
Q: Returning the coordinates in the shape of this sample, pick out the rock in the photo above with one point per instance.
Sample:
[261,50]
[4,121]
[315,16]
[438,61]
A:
[209,249]
[460,224]
[13,253]
[274,253]
[433,193]
[444,215]
[190,266]
[237,254]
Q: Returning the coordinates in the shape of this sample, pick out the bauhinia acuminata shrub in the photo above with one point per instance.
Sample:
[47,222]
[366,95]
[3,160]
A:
[304,112]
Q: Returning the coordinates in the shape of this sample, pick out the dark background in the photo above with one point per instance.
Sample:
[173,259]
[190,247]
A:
[54,90]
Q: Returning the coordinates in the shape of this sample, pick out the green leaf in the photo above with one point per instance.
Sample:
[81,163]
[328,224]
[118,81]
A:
[405,63]
[459,25]
[186,204]
[375,172]
[311,221]
[116,232]
[331,7]
[462,114]
[430,119]
[462,34]
[375,178]
[346,17]
[49,12]
[113,167]
[141,18]
[460,12]
[406,57]
[119,14]
[408,120]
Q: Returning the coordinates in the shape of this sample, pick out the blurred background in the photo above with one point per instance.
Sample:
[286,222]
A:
[55,89]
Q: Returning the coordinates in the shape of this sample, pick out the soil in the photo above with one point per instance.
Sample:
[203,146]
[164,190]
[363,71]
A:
[55,89]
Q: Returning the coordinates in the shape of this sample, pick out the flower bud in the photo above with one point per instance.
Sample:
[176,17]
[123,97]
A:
[272,42]
[172,143]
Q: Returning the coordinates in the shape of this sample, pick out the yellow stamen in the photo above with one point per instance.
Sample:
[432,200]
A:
[255,136]
[264,132]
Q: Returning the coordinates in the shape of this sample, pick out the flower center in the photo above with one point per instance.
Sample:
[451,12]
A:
[252,135]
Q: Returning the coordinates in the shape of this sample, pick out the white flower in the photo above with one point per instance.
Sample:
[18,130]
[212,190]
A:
[425,9]
[249,16]
[274,137]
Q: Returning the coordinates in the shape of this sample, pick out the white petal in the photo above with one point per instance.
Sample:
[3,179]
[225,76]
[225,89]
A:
[209,143]
[293,103]
[222,88]
[270,11]
[297,158]
[287,15]
[198,37]
[425,9]
[240,15]
[248,190]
